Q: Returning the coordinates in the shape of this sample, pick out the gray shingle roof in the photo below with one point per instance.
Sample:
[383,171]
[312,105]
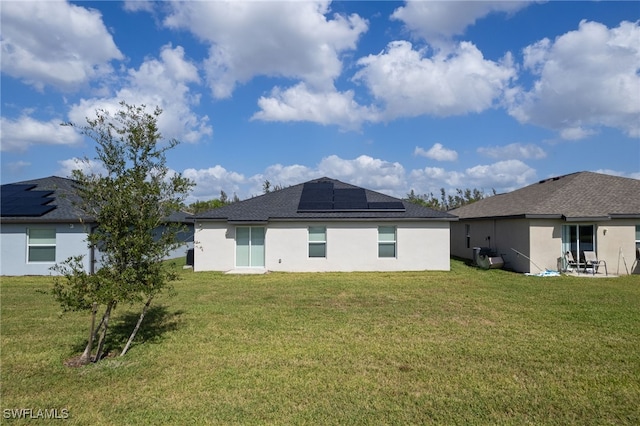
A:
[283,205]
[64,194]
[572,197]
[65,198]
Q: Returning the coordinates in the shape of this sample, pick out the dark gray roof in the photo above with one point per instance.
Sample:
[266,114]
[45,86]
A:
[582,195]
[283,205]
[64,197]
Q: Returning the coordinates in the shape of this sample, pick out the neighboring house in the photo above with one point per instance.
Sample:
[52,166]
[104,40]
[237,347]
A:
[578,212]
[185,237]
[322,225]
[40,226]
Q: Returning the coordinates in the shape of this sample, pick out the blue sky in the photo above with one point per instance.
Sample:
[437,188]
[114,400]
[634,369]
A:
[391,96]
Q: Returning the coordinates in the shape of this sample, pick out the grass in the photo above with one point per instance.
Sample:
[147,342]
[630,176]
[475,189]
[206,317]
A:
[459,347]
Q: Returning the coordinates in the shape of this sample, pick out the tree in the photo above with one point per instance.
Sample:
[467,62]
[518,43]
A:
[203,206]
[129,203]
[267,188]
[447,201]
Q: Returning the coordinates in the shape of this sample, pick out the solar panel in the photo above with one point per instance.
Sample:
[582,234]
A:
[21,200]
[322,196]
[315,206]
[316,196]
[350,199]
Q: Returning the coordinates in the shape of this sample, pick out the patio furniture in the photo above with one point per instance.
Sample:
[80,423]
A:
[572,263]
[592,261]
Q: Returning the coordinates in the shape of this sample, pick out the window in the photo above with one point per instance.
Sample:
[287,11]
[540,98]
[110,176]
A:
[637,241]
[386,241]
[317,241]
[41,245]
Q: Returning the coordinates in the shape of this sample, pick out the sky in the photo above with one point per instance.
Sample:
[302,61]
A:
[390,96]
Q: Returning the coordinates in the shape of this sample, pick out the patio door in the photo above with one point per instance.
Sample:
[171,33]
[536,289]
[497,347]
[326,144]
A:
[577,239]
[250,247]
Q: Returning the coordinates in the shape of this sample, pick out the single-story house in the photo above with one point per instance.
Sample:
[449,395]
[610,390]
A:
[322,225]
[40,226]
[533,227]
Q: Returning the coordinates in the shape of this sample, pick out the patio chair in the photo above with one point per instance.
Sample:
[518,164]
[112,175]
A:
[592,261]
[572,263]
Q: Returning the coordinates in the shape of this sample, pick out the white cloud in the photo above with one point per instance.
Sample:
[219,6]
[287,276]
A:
[430,179]
[437,20]
[160,82]
[209,182]
[279,175]
[86,165]
[285,39]
[586,79]
[298,103]
[635,175]
[503,176]
[365,171]
[437,152]
[410,84]
[21,133]
[138,5]
[506,175]
[514,151]
[55,43]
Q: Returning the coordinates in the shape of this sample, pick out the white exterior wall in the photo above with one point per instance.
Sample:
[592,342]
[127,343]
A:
[70,241]
[214,247]
[351,246]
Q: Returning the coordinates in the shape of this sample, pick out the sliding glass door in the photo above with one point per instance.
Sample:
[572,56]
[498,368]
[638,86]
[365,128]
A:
[577,239]
[250,247]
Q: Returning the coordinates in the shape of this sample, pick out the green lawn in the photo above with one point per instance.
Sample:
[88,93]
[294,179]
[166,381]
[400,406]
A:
[460,347]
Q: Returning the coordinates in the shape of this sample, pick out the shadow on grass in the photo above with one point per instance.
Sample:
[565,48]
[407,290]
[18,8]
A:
[156,323]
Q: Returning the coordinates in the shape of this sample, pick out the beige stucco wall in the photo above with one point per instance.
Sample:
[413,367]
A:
[541,241]
[616,244]
[500,235]
[351,246]
[545,236]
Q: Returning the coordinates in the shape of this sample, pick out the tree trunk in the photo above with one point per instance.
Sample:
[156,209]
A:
[85,358]
[135,330]
[105,323]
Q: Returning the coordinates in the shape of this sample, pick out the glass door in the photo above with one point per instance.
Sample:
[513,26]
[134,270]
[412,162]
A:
[577,239]
[250,246]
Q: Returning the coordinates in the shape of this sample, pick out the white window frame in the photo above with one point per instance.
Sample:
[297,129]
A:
[317,242]
[36,245]
[393,242]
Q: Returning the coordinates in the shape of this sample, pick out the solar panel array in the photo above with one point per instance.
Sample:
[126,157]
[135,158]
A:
[322,196]
[21,200]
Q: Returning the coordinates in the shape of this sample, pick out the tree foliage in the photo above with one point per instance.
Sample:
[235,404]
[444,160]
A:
[446,201]
[267,187]
[129,202]
[203,206]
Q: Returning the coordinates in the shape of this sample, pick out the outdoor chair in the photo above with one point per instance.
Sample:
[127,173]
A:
[592,261]
[572,263]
